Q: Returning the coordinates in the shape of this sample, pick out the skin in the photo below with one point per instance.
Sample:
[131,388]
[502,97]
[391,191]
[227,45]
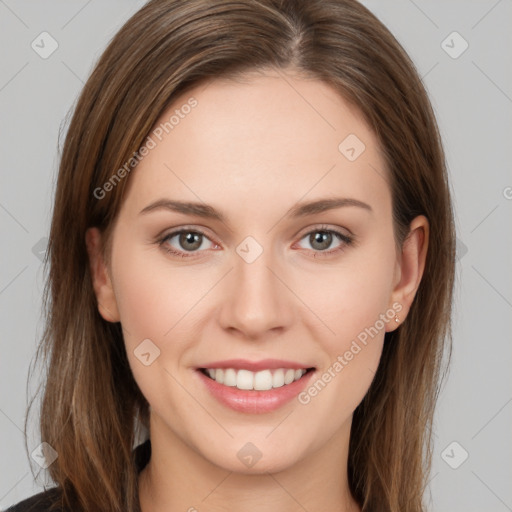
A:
[252,149]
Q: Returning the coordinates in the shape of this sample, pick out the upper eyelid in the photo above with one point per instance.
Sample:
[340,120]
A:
[177,231]
[324,227]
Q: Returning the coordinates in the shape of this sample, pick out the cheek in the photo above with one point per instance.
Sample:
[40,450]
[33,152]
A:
[352,297]
[141,299]
[151,296]
[153,309]
[160,303]
[351,307]
[357,294]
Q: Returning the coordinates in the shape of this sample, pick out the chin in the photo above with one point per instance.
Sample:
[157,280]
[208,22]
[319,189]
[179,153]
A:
[263,466]
[255,458]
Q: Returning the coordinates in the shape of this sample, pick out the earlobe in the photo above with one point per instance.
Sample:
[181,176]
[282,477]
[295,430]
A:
[102,284]
[412,266]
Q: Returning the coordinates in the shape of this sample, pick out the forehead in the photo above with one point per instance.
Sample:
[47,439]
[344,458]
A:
[272,136]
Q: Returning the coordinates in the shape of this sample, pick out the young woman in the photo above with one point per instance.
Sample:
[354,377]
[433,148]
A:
[252,256]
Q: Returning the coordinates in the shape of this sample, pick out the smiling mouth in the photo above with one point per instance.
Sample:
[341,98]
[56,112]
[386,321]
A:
[263,380]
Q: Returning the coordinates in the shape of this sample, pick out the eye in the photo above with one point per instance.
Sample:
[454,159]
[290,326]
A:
[187,241]
[322,238]
[184,242]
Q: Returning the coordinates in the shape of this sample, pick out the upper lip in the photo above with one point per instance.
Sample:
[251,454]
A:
[254,366]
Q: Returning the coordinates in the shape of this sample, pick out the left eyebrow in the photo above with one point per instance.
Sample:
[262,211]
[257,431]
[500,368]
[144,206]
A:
[322,205]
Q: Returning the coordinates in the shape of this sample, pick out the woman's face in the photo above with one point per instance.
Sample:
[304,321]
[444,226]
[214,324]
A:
[259,279]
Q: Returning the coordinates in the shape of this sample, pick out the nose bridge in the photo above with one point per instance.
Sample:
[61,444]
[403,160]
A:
[257,301]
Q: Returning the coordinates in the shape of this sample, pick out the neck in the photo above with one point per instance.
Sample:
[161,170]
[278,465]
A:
[179,478]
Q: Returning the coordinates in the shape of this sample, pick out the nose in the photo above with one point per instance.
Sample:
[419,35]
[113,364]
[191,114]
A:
[256,298]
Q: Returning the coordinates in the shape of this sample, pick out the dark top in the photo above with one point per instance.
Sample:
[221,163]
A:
[41,502]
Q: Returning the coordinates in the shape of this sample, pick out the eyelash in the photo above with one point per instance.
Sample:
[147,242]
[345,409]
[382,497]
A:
[346,239]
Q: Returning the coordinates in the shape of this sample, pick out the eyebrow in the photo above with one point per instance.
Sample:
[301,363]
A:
[208,212]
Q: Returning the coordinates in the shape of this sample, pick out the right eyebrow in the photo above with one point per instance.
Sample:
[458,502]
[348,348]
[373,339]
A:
[187,208]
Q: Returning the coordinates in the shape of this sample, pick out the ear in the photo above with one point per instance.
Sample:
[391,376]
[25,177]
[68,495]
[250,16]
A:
[410,267]
[107,305]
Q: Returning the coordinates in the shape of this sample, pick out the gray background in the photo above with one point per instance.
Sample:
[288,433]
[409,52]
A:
[472,97]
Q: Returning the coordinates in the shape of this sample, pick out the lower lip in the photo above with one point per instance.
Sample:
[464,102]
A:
[251,401]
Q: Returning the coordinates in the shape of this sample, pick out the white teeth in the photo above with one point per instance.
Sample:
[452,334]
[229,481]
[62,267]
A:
[244,379]
[278,379]
[259,381]
[229,377]
[289,376]
[262,380]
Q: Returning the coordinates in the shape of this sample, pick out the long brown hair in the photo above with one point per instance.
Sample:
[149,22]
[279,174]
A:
[91,400]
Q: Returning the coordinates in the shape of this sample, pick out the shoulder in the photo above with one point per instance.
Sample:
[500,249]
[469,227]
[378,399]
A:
[41,502]
[50,500]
